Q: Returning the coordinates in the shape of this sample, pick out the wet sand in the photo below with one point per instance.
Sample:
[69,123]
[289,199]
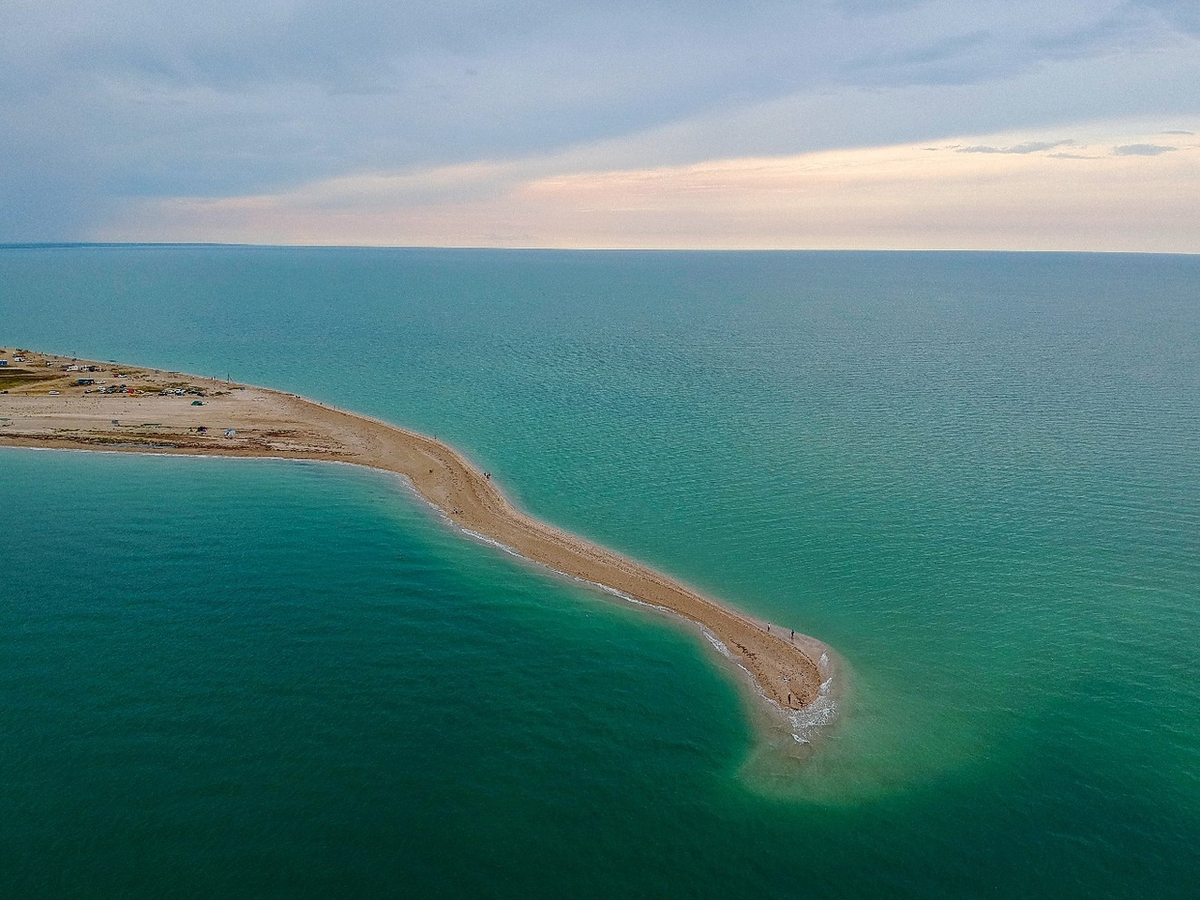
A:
[42,405]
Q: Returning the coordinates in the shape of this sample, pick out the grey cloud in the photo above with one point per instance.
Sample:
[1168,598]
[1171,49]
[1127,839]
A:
[1123,28]
[1041,99]
[962,57]
[138,98]
[1029,147]
[1183,14]
[871,8]
[1142,150]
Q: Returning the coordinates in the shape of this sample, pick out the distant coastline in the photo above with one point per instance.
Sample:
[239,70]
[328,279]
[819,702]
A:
[54,402]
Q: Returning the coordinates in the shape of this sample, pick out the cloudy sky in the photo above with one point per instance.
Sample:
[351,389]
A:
[682,123]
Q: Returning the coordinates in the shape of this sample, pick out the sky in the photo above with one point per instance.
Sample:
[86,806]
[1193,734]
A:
[957,124]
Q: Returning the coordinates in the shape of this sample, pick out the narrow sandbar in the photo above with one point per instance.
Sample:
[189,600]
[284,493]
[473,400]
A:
[56,402]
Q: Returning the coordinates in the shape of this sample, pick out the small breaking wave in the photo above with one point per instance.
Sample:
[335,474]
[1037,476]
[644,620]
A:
[717,642]
[805,723]
[491,542]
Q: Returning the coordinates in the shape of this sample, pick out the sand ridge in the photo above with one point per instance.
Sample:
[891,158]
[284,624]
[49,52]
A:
[50,401]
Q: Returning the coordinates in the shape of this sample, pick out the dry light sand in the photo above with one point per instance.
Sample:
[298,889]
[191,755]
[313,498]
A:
[43,406]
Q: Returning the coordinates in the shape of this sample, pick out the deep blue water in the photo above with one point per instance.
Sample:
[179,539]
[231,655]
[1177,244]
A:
[975,475]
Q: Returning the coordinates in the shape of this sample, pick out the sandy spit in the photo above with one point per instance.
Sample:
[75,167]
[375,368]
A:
[132,409]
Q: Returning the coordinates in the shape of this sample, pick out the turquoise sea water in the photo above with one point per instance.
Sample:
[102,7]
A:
[977,476]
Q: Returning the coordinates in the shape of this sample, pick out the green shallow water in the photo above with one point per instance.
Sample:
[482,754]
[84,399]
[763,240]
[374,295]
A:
[975,475]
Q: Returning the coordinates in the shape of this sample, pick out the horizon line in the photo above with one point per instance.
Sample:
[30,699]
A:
[65,245]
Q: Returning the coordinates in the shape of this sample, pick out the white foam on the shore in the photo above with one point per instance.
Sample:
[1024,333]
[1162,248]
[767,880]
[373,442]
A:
[149,451]
[805,723]
[492,542]
[628,598]
[716,642]
[513,551]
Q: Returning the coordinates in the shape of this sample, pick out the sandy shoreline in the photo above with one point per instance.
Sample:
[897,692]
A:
[133,409]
